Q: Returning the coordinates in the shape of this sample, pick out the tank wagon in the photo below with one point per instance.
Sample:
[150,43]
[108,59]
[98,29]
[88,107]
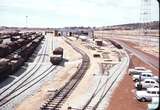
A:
[116,44]
[28,50]
[4,50]
[14,38]
[57,56]
[4,68]
[15,62]
[10,47]
[1,41]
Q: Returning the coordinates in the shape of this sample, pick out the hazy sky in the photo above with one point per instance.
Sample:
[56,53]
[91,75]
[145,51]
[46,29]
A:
[60,13]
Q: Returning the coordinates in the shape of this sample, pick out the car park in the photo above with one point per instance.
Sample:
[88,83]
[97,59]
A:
[147,95]
[146,83]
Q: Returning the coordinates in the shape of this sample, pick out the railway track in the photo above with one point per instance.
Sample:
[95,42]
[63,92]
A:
[26,82]
[11,89]
[55,102]
[152,61]
[1,92]
[102,89]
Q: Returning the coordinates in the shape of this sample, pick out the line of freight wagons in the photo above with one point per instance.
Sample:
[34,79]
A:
[11,59]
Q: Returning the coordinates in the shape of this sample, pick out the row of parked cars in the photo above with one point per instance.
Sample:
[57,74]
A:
[147,86]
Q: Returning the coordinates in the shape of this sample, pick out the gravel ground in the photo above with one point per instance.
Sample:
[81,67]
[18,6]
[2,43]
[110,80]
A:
[88,84]
[151,51]
[63,73]
[141,63]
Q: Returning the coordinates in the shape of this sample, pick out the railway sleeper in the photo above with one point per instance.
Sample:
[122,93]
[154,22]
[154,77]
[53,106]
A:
[63,93]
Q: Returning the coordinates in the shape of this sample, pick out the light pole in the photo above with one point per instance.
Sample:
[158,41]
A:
[26,21]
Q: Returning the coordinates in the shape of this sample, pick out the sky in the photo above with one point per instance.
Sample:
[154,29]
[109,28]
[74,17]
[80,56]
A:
[63,13]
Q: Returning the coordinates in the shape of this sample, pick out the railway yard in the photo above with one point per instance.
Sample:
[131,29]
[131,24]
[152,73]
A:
[46,71]
[79,55]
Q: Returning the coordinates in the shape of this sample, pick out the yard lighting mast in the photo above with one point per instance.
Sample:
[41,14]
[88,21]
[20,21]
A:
[26,21]
[145,18]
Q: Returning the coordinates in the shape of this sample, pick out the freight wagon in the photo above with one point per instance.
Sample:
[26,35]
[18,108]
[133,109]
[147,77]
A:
[1,40]
[10,47]
[13,62]
[4,68]
[4,50]
[57,56]
[58,51]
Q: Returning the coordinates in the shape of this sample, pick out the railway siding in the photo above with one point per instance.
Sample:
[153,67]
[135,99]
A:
[29,81]
[58,99]
[106,86]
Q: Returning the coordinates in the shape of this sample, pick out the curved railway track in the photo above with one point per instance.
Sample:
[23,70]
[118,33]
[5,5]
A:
[103,89]
[148,59]
[27,82]
[55,102]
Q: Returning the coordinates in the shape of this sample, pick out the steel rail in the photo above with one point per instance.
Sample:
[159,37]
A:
[58,99]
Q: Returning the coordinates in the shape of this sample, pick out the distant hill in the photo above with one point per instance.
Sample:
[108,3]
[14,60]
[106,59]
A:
[12,29]
[133,26]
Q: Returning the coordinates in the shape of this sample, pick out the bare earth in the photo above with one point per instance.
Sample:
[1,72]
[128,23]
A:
[124,96]
[152,51]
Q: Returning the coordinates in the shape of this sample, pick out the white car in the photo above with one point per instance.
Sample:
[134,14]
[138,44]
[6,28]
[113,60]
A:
[147,95]
[145,75]
[147,83]
[138,70]
[154,104]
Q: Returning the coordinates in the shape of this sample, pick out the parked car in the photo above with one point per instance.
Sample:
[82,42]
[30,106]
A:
[145,75]
[154,104]
[147,95]
[138,70]
[146,83]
